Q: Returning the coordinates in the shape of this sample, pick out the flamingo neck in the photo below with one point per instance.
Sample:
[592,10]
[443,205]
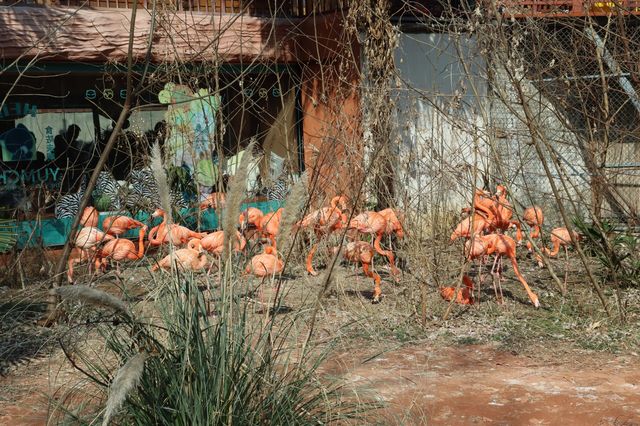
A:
[157,237]
[141,243]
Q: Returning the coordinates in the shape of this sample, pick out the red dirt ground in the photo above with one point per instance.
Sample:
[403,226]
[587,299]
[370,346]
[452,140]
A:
[479,385]
[460,385]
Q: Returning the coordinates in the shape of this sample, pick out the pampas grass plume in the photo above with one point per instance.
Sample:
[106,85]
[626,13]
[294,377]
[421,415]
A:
[235,196]
[294,203]
[92,296]
[126,379]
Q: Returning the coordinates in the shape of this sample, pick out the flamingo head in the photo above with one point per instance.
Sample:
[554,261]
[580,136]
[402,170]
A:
[501,191]
[340,201]
[158,213]
[194,244]
[269,250]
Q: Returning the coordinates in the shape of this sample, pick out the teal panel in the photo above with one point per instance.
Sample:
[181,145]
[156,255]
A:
[54,232]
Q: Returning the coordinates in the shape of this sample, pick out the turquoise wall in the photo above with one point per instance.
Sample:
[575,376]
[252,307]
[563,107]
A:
[54,232]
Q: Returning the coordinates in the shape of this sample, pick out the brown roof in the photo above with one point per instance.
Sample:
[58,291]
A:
[99,35]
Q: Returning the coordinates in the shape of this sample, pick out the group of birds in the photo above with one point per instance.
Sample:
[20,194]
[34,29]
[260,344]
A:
[484,230]
[189,248]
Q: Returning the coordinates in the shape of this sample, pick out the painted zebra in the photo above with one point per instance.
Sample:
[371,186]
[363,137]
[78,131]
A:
[107,186]
[279,189]
[68,205]
[144,193]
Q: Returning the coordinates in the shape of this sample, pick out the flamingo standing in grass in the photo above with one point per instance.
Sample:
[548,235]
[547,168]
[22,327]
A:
[265,265]
[375,224]
[177,234]
[472,225]
[86,242]
[118,225]
[534,218]
[559,237]
[504,246]
[362,252]
[192,258]
[323,222]
[121,249]
[393,223]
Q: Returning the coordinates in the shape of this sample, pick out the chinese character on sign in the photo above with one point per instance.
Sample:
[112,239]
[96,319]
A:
[48,137]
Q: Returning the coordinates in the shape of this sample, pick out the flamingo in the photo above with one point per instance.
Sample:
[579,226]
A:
[250,216]
[86,241]
[363,253]
[503,245]
[393,224]
[177,234]
[374,223]
[265,265]
[269,225]
[89,217]
[89,237]
[464,228]
[534,218]
[323,222]
[215,200]
[559,237]
[121,249]
[191,258]
[118,225]
[463,296]
[214,244]
[77,255]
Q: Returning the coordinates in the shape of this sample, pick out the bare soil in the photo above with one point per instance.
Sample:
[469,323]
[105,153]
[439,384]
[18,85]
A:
[487,364]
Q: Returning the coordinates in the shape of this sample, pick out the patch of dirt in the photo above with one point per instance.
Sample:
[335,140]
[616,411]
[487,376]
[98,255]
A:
[478,384]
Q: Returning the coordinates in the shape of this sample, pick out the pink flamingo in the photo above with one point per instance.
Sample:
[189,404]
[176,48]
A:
[90,217]
[265,265]
[118,225]
[177,234]
[504,246]
[86,242]
[362,252]
[214,244]
[323,222]
[374,224]
[191,258]
[121,249]
[269,225]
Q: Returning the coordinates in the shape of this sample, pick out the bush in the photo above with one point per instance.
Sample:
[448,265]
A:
[194,369]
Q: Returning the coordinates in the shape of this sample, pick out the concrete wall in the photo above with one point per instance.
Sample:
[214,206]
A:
[439,122]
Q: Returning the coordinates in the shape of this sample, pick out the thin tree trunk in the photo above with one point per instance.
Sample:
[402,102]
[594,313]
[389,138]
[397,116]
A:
[53,313]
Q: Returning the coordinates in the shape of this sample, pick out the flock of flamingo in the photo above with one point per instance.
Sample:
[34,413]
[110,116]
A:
[484,229]
[190,248]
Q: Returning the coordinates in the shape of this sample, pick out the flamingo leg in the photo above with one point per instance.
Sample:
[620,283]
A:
[566,266]
[495,277]
[531,294]
[388,254]
[376,278]
[310,260]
